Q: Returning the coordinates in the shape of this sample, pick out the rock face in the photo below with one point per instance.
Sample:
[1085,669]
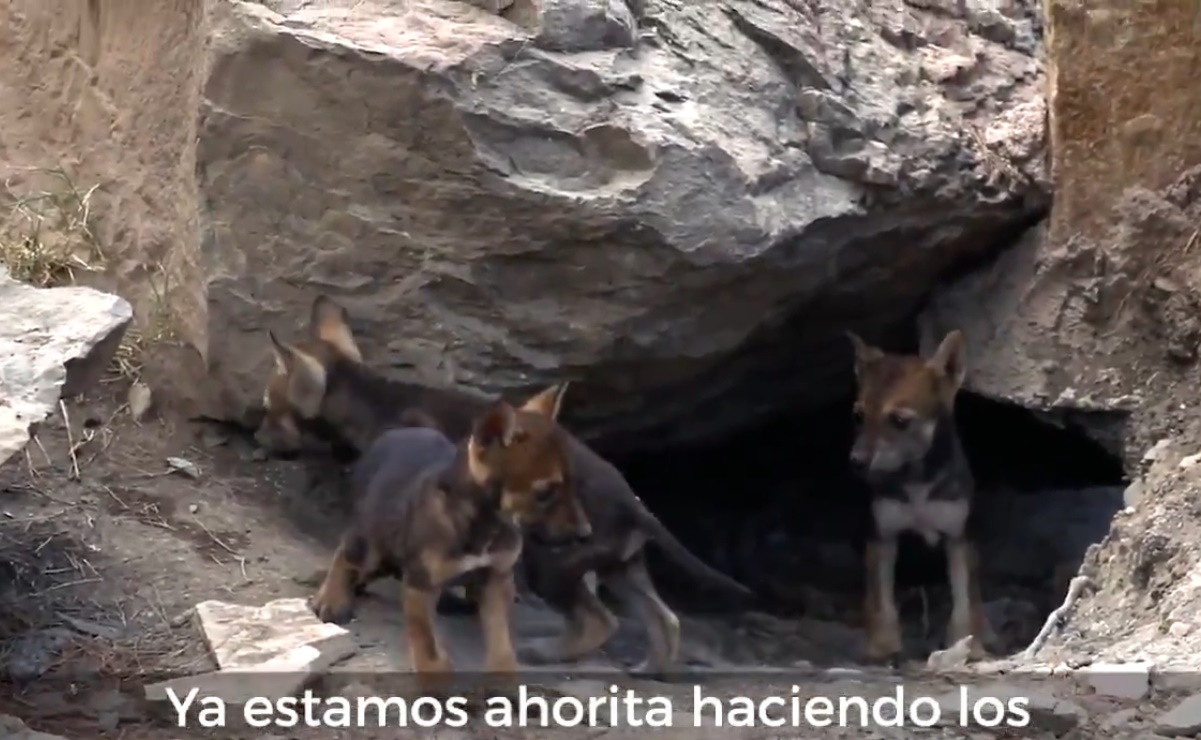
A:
[53,342]
[1094,315]
[1097,310]
[649,197]
[109,92]
[677,205]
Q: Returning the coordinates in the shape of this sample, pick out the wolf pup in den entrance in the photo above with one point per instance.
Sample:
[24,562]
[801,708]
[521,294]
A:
[323,380]
[908,451]
[431,512]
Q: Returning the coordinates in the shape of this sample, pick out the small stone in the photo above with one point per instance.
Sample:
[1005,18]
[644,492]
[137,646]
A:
[953,658]
[840,672]
[1179,629]
[211,439]
[1119,680]
[193,508]
[1190,461]
[1157,451]
[1133,493]
[139,400]
[183,467]
[1184,719]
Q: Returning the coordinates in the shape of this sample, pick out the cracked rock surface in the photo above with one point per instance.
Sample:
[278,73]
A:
[626,193]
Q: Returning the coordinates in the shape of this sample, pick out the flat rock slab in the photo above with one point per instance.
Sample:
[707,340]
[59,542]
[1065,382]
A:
[1119,680]
[991,705]
[282,676]
[53,342]
[249,636]
[12,728]
[1182,720]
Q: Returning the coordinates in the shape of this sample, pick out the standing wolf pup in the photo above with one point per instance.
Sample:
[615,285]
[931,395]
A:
[432,511]
[322,382]
[908,450]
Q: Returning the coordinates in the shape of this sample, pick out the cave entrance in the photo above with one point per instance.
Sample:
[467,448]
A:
[778,509]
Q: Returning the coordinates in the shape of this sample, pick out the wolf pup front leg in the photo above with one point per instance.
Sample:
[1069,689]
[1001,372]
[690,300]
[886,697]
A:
[908,451]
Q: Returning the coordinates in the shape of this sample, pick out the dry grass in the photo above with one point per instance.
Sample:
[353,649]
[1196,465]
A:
[47,239]
[46,235]
[155,330]
[42,562]
[50,582]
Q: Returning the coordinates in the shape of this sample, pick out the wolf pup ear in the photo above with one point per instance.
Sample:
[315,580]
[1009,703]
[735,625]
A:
[330,322]
[865,354]
[282,354]
[497,426]
[948,360]
[306,377]
[549,402]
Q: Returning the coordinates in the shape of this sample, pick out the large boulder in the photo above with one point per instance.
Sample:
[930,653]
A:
[54,342]
[679,204]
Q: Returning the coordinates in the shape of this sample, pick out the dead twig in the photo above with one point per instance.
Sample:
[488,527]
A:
[1059,617]
[113,495]
[70,440]
[216,539]
[45,454]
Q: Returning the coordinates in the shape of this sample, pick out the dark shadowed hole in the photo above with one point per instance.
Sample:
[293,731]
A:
[777,508]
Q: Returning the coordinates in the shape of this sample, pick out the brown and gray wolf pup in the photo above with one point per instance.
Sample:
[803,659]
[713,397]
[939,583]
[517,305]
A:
[908,451]
[321,387]
[429,511]
[323,382]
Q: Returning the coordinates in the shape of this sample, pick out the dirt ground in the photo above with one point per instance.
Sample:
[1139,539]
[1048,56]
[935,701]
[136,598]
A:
[110,544]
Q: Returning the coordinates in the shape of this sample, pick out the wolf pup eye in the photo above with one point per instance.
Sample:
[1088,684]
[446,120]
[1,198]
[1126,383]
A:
[898,419]
[545,495]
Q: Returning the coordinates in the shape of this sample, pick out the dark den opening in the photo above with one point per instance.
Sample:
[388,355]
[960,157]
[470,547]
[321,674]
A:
[777,508]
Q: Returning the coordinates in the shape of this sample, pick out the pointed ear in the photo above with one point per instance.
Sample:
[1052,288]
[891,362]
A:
[497,426]
[948,359]
[548,402]
[306,378]
[865,354]
[329,322]
[283,354]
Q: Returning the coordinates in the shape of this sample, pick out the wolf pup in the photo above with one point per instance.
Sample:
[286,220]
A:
[315,386]
[908,451]
[433,511]
[320,386]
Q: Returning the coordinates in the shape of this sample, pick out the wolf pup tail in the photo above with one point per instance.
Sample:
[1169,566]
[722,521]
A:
[704,573]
